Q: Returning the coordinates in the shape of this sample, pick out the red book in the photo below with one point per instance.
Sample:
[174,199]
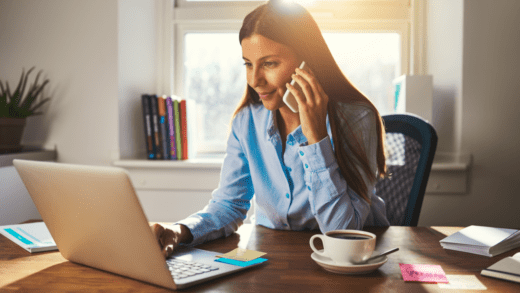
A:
[184,129]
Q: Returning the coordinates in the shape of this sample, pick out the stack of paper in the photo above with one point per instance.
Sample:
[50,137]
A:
[33,237]
[481,240]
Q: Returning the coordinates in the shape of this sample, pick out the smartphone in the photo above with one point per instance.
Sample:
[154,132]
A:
[288,97]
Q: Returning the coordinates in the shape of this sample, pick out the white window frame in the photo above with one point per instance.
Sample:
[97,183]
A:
[346,16]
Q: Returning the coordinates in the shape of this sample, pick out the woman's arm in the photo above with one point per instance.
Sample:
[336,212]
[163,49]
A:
[231,201]
[332,202]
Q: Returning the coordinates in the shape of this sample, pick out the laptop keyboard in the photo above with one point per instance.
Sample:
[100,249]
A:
[181,269]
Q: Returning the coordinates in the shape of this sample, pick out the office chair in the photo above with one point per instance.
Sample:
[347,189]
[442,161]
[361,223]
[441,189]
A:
[410,145]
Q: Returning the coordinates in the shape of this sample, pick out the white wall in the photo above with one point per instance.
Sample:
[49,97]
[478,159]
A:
[75,43]
[99,57]
[137,27]
[476,76]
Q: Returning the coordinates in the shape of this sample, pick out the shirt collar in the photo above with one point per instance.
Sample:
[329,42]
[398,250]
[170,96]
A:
[271,125]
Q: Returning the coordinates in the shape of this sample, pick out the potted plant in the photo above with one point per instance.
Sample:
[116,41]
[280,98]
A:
[16,106]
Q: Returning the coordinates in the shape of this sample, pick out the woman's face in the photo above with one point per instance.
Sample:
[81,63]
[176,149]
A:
[269,66]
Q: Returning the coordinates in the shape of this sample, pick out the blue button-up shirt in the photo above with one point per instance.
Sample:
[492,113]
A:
[299,188]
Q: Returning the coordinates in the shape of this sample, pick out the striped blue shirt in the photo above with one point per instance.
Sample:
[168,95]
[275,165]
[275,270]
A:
[300,188]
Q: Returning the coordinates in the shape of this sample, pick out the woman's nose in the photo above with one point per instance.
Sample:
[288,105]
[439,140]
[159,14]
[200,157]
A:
[256,78]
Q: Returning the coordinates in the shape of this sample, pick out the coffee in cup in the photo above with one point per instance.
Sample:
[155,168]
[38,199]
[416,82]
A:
[345,247]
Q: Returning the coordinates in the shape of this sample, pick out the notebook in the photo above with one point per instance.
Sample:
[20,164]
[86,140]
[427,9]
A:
[507,268]
[95,218]
[33,237]
[487,241]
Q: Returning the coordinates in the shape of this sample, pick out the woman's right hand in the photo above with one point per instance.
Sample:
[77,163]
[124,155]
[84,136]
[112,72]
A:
[169,239]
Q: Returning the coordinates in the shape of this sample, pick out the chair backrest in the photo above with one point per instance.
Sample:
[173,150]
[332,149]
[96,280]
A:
[410,144]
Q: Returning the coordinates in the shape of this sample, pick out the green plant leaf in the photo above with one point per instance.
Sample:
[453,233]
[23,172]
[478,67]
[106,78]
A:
[25,82]
[22,103]
[32,98]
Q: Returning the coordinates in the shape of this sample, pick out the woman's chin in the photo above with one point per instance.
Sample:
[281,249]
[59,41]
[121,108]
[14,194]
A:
[272,104]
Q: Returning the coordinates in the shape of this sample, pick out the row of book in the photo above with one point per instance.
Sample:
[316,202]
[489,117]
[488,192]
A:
[167,134]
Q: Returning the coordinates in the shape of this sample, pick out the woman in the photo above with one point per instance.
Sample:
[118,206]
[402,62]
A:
[312,169]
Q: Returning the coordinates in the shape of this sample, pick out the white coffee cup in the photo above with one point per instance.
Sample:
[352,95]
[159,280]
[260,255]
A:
[346,247]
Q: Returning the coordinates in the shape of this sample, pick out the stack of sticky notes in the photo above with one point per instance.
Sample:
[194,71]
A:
[241,257]
[435,274]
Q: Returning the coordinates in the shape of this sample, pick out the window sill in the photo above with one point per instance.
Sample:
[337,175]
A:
[203,163]
[28,153]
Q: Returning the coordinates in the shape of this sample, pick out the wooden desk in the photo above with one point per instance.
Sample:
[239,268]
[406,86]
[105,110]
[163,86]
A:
[289,269]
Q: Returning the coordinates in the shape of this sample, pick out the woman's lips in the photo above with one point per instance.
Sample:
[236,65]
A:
[264,95]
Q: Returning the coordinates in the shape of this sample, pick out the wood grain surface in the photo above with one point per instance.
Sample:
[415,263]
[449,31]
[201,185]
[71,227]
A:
[289,267]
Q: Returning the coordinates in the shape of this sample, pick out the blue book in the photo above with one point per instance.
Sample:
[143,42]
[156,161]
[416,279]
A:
[163,122]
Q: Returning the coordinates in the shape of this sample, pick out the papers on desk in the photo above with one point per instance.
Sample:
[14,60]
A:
[487,241]
[507,269]
[33,237]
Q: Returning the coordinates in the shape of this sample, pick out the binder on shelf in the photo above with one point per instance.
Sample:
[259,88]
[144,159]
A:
[155,121]
[161,107]
[184,129]
[171,128]
[148,134]
[177,117]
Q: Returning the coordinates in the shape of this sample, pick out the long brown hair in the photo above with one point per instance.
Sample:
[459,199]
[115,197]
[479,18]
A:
[293,26]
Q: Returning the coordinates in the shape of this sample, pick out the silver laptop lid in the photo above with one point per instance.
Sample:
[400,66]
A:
[95,218]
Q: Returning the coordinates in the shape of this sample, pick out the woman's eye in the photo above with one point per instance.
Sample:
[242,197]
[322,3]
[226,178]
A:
[247,64]
[270,64]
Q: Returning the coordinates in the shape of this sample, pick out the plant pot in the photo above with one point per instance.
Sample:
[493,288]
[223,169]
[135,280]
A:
[11,130]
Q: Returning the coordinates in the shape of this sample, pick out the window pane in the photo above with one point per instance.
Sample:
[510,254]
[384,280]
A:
[370,61]
[214,77]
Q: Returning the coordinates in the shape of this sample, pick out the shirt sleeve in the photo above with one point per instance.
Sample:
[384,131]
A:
[333,203]
[230,202]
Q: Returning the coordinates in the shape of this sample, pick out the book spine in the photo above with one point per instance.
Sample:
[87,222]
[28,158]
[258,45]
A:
[184,130]
[177,129]
[156,132]
[161,106]
[191,116]
[171,128]
[500,275]
[148,134]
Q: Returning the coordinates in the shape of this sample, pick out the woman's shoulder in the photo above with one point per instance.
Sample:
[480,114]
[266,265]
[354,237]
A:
[249,111]
[251,115]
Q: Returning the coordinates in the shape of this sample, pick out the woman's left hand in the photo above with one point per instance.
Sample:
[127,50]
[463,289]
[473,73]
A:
[312,105]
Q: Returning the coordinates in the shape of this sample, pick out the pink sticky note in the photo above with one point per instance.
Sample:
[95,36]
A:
[423,273]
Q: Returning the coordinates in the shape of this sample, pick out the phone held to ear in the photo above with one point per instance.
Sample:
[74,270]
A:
[288,97]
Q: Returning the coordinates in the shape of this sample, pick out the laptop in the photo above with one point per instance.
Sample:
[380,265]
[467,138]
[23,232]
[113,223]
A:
[95,218]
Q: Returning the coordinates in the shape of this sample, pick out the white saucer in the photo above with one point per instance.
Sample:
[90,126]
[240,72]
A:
[330,266]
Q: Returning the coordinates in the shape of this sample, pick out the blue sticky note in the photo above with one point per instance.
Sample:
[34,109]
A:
[241,263]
